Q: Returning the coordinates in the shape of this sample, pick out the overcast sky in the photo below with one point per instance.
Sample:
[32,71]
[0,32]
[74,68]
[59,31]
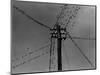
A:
[28,36]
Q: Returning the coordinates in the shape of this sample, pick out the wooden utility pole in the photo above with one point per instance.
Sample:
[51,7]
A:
[59,34]
[59,41]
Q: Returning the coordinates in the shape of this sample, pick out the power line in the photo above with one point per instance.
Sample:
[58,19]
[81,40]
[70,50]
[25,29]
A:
[68,12]
[29,60]
[31,18]
[60,14]
[82,38]
[79,49]
[30,53]
[72,16]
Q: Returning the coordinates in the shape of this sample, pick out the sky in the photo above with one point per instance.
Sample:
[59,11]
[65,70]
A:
[28,36]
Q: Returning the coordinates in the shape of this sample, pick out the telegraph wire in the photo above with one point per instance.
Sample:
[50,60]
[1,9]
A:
[79,49]
[71,17]
[69,20]
[29,60]
[60,14]
[30,53]
[82,38]
[31,18]
[70,14]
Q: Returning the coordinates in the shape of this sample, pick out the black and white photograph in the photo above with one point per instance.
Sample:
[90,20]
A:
[52,37]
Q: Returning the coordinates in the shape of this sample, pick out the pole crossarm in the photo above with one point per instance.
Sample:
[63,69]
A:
[55,34]
[31,18]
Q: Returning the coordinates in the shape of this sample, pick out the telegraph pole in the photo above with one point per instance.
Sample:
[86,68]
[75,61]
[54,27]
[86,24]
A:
[59,41]
[59,33]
